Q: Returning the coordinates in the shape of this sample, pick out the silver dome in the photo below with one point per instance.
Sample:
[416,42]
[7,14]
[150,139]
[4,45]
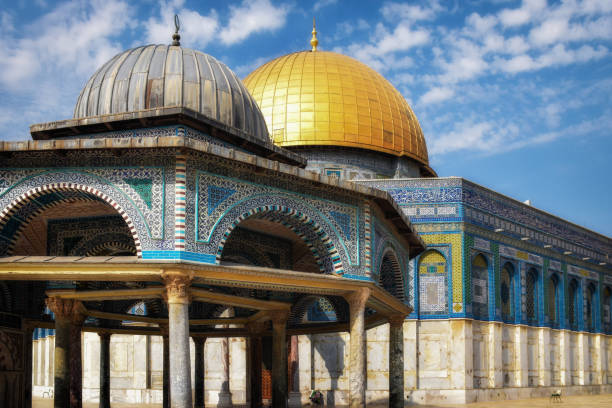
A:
[156,76]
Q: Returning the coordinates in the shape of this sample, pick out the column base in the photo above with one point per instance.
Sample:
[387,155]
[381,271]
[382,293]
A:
[295,399]
[225,399]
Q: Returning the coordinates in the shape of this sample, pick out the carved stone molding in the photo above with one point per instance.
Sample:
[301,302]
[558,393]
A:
[177,287]
[358,299]
[396,320]
[279,317]
[68,309]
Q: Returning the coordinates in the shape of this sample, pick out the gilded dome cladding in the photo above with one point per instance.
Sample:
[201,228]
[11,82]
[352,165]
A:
[316,98]
[156,76]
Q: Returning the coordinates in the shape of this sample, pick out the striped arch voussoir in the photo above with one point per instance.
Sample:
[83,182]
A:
[269,211]
[7,212]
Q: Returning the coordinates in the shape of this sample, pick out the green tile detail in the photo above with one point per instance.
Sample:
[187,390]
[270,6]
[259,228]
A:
[144,188]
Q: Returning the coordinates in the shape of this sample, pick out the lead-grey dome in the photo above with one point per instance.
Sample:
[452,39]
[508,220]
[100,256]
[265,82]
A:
[156,76]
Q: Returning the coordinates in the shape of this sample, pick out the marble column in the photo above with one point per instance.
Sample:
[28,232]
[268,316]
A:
[63,309]
[295,397]
[565,365]
[279,359]
[521,362]
[28,364]
[396,361]
[104,370]
[357,350]
[583,358]
[255,363]
[165,366]
[544,363]
[76,364]
[199,397]
[225,396]
[461,354]
[600,359]
[496,378]
[177,297]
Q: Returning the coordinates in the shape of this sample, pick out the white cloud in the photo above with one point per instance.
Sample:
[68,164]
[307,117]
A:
[437,94]
[196,30]
[528,11]
[379,54]
[323,3]
[467,135]
[253,16]
[410,12]
[556,56]
[45,64]
[74,36]
[549,31]
[346,28]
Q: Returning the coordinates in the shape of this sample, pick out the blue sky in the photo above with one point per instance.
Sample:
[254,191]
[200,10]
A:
[514,95]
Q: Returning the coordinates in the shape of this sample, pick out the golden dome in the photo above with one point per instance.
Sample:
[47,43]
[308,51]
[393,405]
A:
[321,98]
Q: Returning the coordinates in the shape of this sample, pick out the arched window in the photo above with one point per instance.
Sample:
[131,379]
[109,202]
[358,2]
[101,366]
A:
[506,290]
[432,284]
[391,275]
[590,310]
[553,300]
[531,304]
[572,304]
[607,298]
[480,284]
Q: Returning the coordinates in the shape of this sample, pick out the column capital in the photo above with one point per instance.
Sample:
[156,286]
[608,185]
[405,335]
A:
[177,286]
[67,309]
[104,335]
[279,316]
[199,340]
[358,298]
[396,320]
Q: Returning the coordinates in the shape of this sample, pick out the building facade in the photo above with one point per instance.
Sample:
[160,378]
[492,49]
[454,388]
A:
[191,238]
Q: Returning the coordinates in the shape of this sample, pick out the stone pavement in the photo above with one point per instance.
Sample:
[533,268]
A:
[573,401]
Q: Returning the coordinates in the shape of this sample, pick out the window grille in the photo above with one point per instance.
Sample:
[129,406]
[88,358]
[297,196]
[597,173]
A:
[479,287]
[572,300]
[552,300]
[507,292]
[530,301]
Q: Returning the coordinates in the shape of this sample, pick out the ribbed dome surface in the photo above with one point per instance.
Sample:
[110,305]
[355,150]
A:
[156,76]
[324,98]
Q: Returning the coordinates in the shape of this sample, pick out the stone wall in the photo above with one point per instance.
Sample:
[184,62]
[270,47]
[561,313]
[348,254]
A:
[445,361]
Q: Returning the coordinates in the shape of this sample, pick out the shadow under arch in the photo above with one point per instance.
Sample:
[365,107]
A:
[390,274]
[304,226]
[330,347]
[20,211]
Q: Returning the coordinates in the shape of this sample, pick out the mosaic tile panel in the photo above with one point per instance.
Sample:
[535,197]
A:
[126,180]
[88,236]
[216,213]
[148,222]
[180,193]
[456,245]
[432,284]
[574,270]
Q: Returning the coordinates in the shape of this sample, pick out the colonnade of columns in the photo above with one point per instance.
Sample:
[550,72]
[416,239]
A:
[177,391]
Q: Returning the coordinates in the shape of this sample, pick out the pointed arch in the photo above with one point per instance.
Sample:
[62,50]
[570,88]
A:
[390,274]
[304,226]
[480,286]
[506,290]
[6,215]
[432,272]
